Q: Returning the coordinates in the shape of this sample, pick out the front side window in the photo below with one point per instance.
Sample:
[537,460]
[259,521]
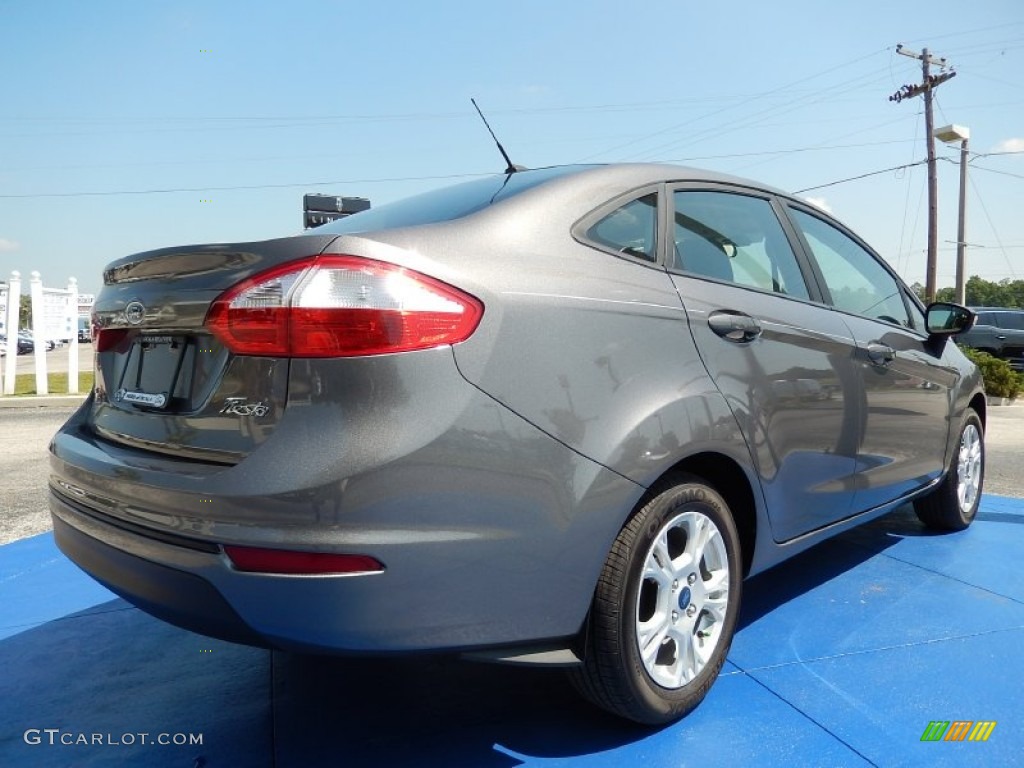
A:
[629,229]
[856,281]
[737,238]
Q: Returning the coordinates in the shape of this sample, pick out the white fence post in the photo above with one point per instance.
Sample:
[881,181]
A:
[13,312]
[35,290]
[73,346]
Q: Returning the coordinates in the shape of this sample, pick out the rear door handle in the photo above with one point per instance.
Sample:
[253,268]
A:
[881,354]
[734,326]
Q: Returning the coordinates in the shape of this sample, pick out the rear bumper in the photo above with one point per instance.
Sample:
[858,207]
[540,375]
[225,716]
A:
[177,597]
[491,532]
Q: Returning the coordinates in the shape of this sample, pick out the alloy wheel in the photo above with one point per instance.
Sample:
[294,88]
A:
[683,599]
[968,468]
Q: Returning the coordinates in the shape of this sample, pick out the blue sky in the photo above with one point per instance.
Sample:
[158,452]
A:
[100,99]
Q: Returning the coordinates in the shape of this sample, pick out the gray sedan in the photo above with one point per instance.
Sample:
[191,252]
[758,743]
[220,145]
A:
[549,417]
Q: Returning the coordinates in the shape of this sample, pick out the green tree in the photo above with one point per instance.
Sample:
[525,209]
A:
[24,311]
[979,292]
[985,293]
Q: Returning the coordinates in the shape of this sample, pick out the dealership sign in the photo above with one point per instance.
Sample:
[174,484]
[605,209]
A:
[59,319]
[85,302]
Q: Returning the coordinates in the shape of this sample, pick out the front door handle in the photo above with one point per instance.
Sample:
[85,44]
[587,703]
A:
[734,326]
[881,354]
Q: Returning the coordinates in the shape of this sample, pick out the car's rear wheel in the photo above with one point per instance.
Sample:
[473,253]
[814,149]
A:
[953,505]
[665,607]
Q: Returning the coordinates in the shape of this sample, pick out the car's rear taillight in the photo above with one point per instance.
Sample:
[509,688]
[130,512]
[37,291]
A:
[341,306]
[106,339]
[259,560]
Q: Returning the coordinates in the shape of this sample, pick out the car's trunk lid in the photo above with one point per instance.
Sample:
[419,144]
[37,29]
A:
[163,382]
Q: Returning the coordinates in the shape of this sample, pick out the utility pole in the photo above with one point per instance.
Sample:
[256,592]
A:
[961,230]
[928,83]
[949,134]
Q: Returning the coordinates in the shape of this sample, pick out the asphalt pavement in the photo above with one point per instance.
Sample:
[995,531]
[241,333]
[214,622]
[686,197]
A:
[26,432]
[23,468]
[56,360]
[915,630]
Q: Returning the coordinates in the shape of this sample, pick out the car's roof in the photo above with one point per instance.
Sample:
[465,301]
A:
[638,174]
[571,190]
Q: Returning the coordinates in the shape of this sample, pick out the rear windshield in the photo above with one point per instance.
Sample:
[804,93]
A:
[443,204]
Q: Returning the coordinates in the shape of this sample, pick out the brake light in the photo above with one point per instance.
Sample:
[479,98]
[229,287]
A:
[341,306]
[258,560]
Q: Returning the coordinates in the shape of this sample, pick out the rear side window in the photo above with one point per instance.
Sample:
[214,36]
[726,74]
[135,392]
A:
[629,229]
[855,280]
[736,238]
[1012,320]
[986,318]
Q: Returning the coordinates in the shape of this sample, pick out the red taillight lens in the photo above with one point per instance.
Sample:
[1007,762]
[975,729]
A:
[341,306]
[107,338]
[257,560]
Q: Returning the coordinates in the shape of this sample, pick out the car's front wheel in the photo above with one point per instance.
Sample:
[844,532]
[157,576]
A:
[665,607]
[953,505]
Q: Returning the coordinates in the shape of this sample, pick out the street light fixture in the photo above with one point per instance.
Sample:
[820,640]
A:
[950,134]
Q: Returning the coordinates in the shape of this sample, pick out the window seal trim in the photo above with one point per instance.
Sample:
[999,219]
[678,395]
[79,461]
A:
[579,228]
[815,296]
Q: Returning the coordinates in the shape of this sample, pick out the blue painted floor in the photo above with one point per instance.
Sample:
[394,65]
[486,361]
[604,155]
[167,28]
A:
[844,656]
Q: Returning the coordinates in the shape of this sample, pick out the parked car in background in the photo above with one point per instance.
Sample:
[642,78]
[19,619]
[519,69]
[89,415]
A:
[29,338]
[998,331]
[549,417]
[84,330]
[25,343]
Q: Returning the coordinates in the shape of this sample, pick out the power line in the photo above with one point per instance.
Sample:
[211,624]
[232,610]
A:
[755,118]
[790,151]
[285,185]
[764,95]
[857,132]
[442,177]
[861,176]
[993,170]
[965,32]
[733,99]
[995,232]
[245,186]
[978,155]
[906,203]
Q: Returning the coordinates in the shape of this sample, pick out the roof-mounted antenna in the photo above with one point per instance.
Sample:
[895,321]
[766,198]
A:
[512,167]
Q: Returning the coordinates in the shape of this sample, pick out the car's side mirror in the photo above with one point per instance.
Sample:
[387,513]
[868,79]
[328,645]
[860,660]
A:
[944,319]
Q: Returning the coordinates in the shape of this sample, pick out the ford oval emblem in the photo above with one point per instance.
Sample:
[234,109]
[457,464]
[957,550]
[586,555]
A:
[684,598]
[134,312]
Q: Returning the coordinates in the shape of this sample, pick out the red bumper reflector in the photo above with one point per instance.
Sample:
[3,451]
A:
[256,560]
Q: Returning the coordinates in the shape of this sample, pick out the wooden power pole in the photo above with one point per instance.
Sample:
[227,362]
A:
[928,83]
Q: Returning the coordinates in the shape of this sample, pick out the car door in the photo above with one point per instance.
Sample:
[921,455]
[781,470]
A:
[784,361]
[905,382]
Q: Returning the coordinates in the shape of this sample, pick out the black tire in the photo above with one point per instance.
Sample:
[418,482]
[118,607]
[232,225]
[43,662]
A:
[953,504]
[613,674]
